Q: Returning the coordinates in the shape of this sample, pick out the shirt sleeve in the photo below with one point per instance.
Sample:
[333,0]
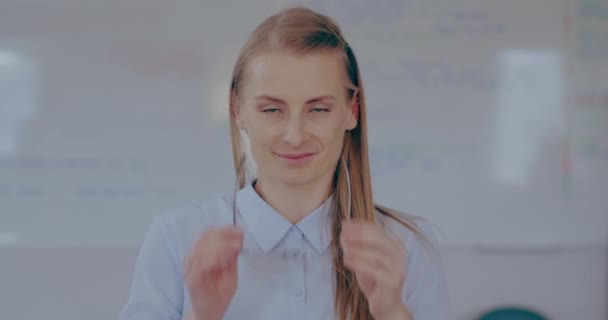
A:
[157,286]
[426,292]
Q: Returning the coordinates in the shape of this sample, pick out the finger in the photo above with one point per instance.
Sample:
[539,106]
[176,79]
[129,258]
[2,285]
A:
[214,237]
[382,245]
[386,253]
[224,255]
[359,231]
[223,262]
[232,236]
[230,233]
[383,273]
[227,259]
[377,259]
[382,279]
[213,253]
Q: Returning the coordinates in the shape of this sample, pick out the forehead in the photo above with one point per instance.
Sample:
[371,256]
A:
[288,74]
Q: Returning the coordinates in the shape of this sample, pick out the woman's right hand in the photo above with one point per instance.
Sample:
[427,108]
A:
[210,272]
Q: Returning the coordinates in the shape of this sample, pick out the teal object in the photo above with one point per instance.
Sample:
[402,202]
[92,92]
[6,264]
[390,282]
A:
[512,313]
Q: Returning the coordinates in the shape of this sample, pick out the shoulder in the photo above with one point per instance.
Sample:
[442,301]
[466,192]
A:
[425,290]
[415,232]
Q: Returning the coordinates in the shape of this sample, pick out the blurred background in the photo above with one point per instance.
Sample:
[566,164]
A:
[487,117]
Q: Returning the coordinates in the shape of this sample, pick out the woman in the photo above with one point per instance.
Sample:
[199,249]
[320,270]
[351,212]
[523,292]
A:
[304,239]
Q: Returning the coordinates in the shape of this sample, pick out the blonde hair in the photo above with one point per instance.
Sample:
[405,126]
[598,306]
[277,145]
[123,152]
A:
[301,30]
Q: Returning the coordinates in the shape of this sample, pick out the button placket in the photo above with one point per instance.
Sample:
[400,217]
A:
[295,284]
[296,253]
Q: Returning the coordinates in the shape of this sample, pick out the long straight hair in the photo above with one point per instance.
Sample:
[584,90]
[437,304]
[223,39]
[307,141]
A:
[301,31]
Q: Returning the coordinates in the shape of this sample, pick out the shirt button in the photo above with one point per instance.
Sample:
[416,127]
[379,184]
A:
[295,230]
[299,293]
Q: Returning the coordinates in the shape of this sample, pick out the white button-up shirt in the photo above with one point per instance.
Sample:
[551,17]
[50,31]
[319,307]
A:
[285,271]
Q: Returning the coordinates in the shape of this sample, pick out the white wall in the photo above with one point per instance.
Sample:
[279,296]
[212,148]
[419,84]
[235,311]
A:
[465,103]
[74,284]
[565,285]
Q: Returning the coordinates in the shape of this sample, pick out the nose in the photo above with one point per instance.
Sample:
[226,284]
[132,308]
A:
[294,134]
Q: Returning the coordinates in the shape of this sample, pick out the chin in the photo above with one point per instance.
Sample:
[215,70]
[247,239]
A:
[291,177]
[294,178]
[294,175]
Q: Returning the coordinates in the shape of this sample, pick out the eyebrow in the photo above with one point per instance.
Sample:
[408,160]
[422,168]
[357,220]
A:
[313,100]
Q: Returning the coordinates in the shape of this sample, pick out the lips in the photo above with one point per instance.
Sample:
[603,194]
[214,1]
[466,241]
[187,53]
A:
[294,156]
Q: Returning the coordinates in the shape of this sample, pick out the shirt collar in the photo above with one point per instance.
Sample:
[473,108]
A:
[269,227]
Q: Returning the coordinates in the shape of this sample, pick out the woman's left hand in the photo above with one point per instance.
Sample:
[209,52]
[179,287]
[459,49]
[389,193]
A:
[379,262]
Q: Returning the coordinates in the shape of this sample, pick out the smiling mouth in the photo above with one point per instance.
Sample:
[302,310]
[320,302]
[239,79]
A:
[294,156]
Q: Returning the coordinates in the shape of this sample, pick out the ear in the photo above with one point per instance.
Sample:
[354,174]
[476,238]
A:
[236,110]
[353,115]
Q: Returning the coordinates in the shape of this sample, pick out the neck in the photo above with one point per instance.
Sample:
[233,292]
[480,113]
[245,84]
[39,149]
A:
[294,202]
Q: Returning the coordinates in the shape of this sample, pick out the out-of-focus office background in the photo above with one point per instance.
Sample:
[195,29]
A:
[488,117]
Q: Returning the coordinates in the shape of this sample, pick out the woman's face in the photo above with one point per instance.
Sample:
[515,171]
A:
[295,110]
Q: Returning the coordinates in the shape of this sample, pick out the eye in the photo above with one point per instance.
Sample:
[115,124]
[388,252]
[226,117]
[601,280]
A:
[320,109]
[270,109]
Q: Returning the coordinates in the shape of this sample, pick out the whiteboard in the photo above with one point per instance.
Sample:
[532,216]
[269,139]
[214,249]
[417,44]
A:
[487,117]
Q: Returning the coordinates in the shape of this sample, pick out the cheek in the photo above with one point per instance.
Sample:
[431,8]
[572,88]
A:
[337,124]
[330,134]
[261,136]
